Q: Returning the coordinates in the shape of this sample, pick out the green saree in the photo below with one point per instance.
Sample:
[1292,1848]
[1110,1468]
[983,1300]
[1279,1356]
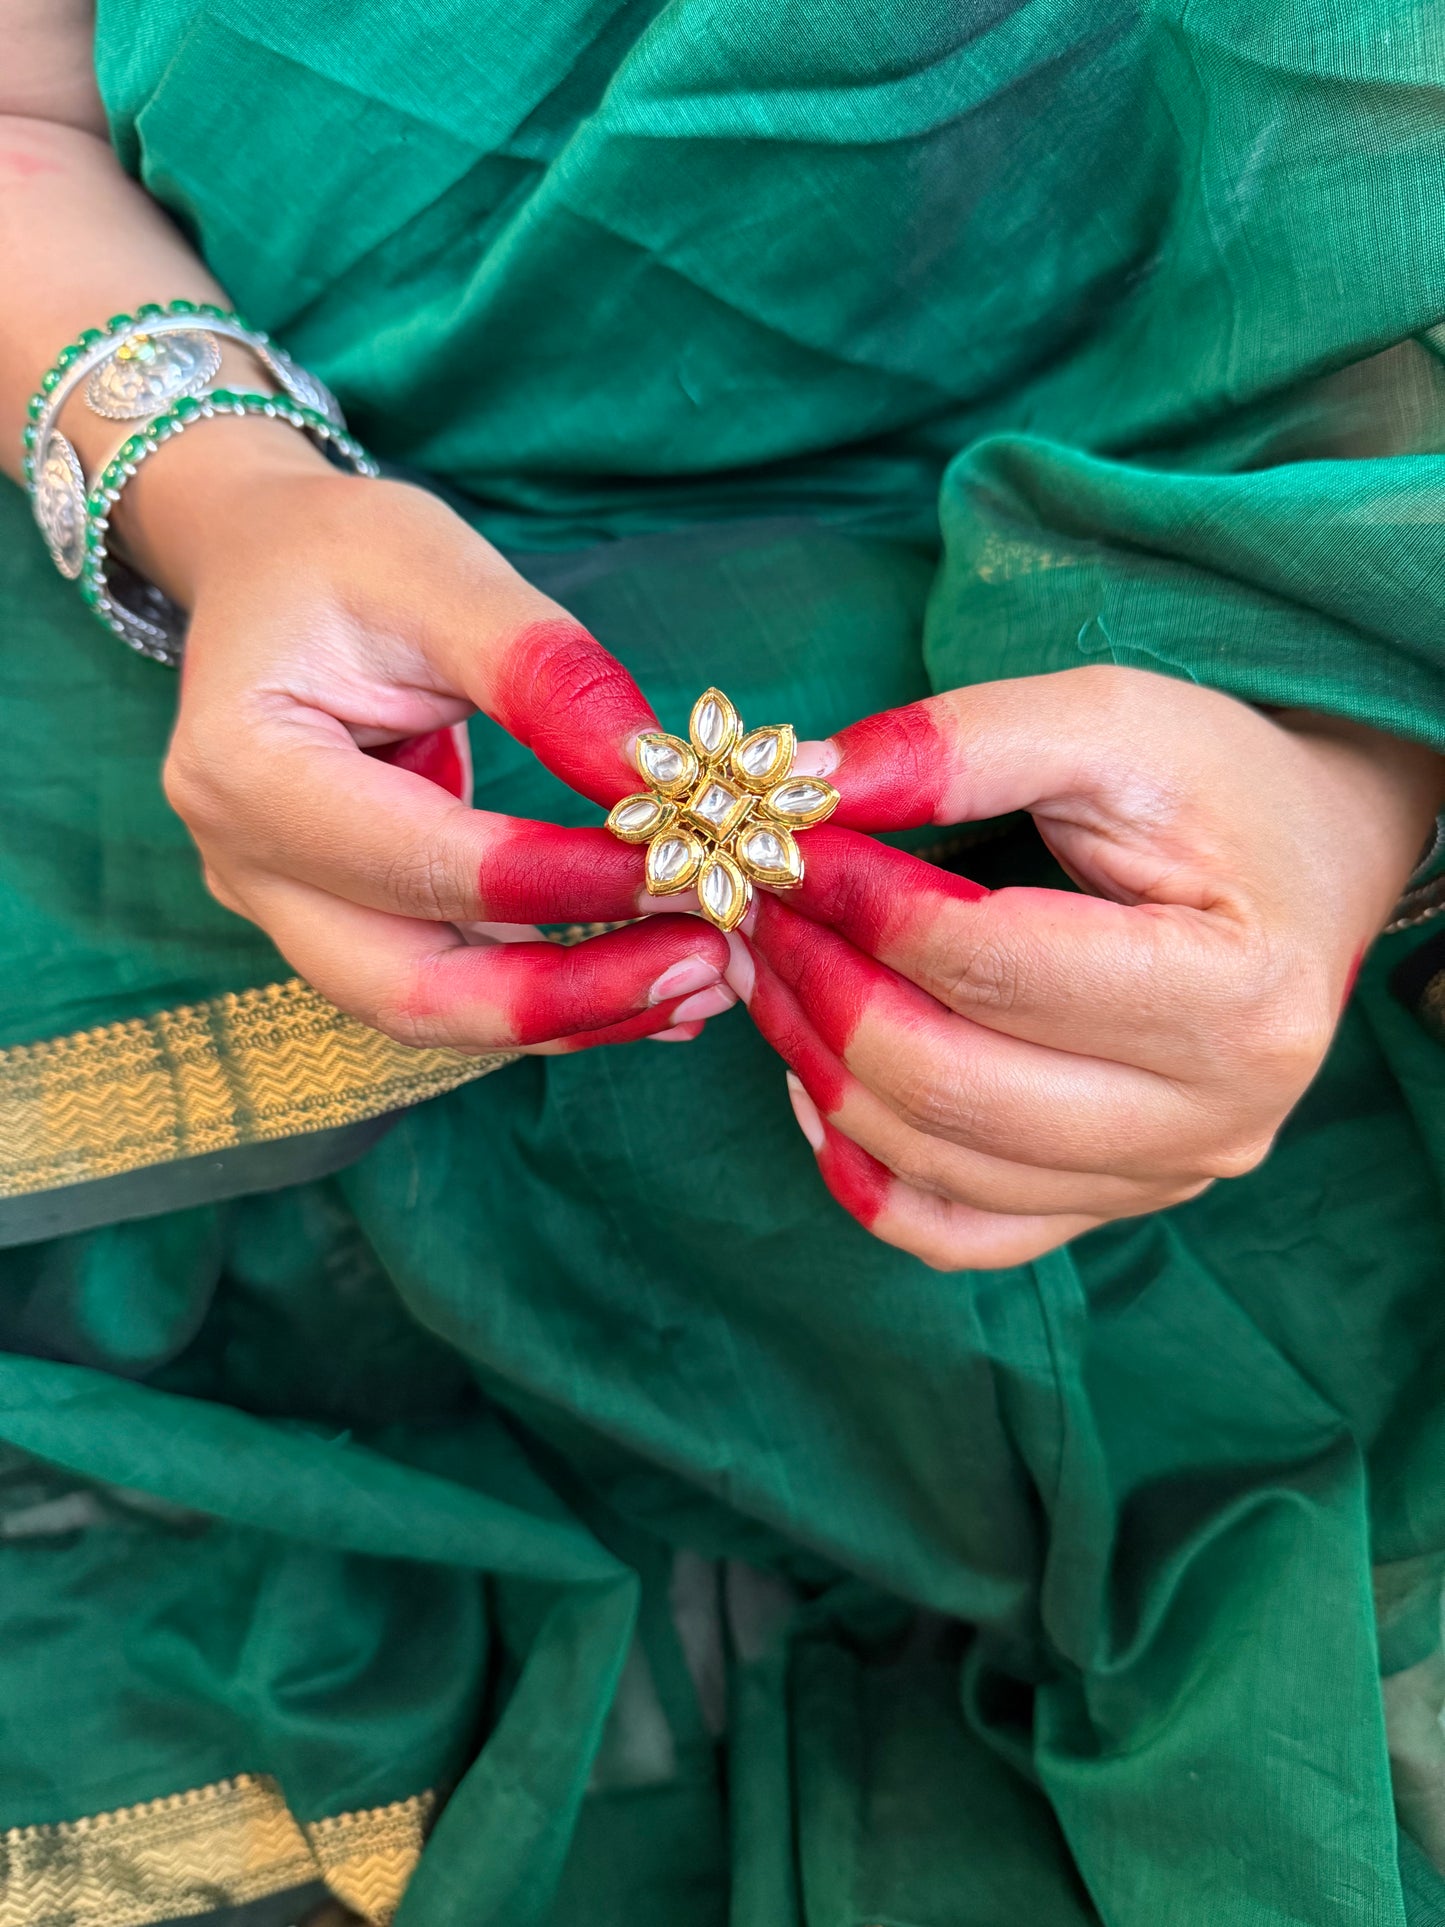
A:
[512,1494]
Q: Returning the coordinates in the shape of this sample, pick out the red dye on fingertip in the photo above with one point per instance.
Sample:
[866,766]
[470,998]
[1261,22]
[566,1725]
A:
[856,1180]
[438,756]
[895,770]
[833,982]
[571,702]
[779,1018]
[631,1030]
[554,991]
[538,873]
[870,892]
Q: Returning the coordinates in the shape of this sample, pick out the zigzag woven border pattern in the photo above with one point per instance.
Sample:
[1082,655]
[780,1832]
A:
[254,1065]
[196,1852]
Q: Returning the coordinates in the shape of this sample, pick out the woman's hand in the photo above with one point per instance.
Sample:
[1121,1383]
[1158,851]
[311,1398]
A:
[331,615]
[984,1076]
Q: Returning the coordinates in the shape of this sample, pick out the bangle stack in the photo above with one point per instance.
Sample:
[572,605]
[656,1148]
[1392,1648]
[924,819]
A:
[1424,895]
[154,369]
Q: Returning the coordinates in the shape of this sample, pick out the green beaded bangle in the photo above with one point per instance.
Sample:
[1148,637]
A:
[117,324]
[160,635]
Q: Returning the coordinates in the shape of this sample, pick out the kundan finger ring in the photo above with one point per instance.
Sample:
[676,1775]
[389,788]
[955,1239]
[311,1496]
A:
[720,811]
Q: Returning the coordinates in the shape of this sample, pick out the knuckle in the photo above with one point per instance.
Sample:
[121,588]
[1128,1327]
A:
[1285,1017]
[423,881]
[986,976]
[182,783]
[924,1104]
[218,888]
[1236,1160]
[406,1010]
[912,1163]
[395,1019]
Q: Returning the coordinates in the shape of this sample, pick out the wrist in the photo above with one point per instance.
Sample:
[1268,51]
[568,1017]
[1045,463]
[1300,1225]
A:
[196,503]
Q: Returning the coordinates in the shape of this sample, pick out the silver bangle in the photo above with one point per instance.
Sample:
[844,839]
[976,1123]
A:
[141,369]
[1424,894]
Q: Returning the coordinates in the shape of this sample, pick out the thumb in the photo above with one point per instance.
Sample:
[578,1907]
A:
[980,752]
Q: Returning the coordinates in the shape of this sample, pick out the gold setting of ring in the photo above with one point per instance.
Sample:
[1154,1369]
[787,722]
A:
[721,811]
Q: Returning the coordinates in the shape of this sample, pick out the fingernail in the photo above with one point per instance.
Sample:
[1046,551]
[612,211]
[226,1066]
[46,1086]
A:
[679,1034]
[707,1003]
[806,1112]
[693,973]
[815,759]
[683,903]
[740,972]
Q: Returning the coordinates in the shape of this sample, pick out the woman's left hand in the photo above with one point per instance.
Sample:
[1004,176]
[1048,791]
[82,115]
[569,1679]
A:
[985,1076]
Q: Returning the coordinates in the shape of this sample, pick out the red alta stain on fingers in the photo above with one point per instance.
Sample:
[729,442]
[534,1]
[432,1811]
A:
[872,893]
[857,1181]
[547,990]
[1354,975]
[438,756]
[646,1023]
[833,982]
[574,706]
[538,873]
[895,770]
[779,1017]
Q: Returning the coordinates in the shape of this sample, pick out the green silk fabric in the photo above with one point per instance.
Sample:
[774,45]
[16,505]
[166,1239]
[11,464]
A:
[571,1452]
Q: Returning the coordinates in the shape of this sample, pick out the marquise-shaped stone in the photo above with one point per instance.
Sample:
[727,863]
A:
[637,819]
[769,854]
[764,756]
[801,800]
[673,861]
[714,725]
[723,891]
[666,761]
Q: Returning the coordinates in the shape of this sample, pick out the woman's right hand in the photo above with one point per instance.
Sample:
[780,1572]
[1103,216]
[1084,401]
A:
[332,615]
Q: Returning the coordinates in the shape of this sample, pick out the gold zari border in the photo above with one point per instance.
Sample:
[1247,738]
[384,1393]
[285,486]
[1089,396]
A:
[197,1852]
[255,1065]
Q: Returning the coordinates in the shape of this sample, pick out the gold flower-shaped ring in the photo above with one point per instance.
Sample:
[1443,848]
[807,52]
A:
[721,810]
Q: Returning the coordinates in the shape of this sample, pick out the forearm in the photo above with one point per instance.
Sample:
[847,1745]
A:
[82,241]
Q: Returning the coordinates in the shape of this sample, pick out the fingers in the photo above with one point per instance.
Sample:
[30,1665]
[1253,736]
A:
[955,1079]
[674,1021]
[424,985]
[942,1233]
[997,747]
[534,669]
[989,1185]
[443,756]
[1160,987]
[315,809]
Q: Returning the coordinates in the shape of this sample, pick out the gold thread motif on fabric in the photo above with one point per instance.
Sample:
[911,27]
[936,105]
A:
[199,1851]
[241,1069]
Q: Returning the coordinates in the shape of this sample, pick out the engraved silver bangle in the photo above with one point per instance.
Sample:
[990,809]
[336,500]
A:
[52,467]
[139,369]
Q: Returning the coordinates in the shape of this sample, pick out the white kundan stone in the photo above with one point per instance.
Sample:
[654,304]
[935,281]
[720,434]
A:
[669,858]
[716,802]
[796,799]
[759,753]
[663,761]
[638,817]
[765,850]
[718,890]
[711,726]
